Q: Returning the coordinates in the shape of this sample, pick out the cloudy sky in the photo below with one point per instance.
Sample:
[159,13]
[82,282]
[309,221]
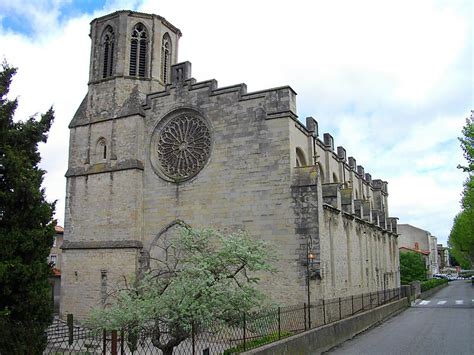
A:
[392,81]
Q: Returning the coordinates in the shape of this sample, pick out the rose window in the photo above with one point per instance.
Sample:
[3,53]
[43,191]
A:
[181,147]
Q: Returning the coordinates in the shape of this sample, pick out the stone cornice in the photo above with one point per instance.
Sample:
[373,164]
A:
[105,168]
[106,244]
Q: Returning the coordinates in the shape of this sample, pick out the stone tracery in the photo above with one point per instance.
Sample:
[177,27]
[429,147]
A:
[183,146]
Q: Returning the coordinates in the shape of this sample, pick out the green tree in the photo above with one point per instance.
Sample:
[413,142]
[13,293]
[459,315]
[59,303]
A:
[412,267]
[467,144]
[26,229]
[461,238]
[202,277]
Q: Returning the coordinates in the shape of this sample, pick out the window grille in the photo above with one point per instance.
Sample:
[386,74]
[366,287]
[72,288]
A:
[108,52]
[138,51]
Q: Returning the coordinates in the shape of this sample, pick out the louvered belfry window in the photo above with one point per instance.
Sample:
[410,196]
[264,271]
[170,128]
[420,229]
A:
[108,39]
[138,51]
[165,58]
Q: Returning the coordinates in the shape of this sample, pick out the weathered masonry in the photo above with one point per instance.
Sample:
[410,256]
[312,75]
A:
[150,148]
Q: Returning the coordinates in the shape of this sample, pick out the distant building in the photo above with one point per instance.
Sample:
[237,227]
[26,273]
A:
[54,259]
[443,257]
[55,254]
[418,240]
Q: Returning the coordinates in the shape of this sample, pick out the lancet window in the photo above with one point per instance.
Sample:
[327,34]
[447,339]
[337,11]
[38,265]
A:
[108,39]
[300,158]
[138,51]
[165,58]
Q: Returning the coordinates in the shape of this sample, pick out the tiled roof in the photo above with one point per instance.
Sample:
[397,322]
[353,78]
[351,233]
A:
[424,252]
[59,229]
[56,272]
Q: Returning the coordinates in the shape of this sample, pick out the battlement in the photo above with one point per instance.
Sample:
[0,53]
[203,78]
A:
[278,102]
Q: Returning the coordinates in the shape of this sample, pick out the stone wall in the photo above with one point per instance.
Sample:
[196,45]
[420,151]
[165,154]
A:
[320,340]
[91,272]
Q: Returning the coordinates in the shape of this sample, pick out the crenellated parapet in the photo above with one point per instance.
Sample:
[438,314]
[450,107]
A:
[346,185]
[277,102]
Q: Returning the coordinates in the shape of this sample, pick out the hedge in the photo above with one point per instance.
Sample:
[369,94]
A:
[426,285]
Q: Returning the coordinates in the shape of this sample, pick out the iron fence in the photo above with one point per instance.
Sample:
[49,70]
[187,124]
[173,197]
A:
[252,330]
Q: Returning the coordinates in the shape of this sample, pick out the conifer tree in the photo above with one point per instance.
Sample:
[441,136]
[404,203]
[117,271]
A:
[26,229]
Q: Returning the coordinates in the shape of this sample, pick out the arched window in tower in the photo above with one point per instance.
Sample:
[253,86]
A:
[108,39]
[138,51]
[165,58]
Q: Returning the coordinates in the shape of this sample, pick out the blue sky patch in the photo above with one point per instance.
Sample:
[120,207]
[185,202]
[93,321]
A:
[15,20]
[73,8]
[16,23]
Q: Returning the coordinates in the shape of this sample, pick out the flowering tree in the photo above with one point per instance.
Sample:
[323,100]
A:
[200,276]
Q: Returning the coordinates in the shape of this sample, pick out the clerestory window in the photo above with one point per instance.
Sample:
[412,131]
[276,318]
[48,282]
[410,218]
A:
[300,158]
[138,51]
[165,58]
[108,39]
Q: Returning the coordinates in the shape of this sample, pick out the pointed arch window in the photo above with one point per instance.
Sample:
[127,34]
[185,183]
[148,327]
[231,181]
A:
[108,39]
[138,51]
[300,158]
[165,58]
[321,172]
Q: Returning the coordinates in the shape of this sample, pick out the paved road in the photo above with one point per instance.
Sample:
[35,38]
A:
[442,324]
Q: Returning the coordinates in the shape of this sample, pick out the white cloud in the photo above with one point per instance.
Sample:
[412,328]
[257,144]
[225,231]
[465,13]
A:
[52,71]
[426,201]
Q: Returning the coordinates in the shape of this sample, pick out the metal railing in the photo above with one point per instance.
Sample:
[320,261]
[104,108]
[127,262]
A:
[251,331]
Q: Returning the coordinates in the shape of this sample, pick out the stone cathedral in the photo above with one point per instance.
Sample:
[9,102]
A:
[152,148]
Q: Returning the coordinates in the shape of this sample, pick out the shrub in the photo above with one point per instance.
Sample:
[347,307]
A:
[466,274]
[426,285]
[412,267]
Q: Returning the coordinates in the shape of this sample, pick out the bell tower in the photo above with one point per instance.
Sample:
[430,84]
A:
[131,53]
[131,56]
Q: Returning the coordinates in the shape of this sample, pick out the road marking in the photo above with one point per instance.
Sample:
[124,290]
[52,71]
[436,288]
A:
[459,301]
[424,302]
[441,302]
